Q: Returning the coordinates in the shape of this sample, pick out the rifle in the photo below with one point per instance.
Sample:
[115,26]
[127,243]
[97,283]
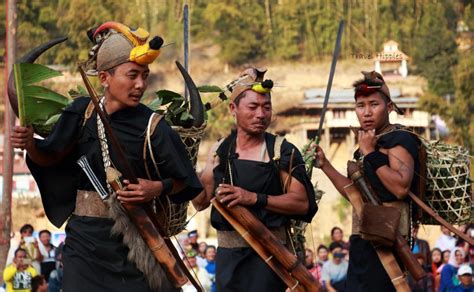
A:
[401,245]
[142,215]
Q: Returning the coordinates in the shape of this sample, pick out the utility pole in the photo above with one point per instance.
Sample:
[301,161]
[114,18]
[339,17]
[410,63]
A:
[9,122]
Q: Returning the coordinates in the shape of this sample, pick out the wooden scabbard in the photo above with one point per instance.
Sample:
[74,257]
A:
[276,266]
[274,247]
[385,255]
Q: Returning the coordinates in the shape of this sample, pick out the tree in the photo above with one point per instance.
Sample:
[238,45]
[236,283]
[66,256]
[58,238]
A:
[435,53]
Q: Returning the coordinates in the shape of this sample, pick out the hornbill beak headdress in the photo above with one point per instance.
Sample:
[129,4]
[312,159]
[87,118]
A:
[116,43]
[251,79]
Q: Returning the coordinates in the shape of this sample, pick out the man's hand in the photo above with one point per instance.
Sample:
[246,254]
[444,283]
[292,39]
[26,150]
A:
[232,195]
[367,141]
[319,156]
[22,137]
[142,192]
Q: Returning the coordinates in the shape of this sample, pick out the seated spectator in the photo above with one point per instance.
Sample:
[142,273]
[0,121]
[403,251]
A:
[465,279]
[56,276]
[211,265]
[201,256]
[47,253]
[334,272]
[449,277]
[314,269]
[323,254]
[436,266]
[193,240]
[337,235]
[18,274]
[202,274]
[420,246]
[39,284]
[426,283]
[445,241]
[446,255]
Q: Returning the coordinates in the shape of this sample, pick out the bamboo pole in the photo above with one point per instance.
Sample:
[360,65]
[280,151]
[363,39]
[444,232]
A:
[9,122]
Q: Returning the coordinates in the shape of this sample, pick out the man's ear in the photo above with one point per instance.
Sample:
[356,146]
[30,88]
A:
[103,78]
[232,108]
[389,107]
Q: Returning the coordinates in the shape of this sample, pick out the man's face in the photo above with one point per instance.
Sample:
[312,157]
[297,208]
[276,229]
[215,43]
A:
[466,280]
[323,254]
[27,233]
[337,255]
[20,258]
[210,254]
[372,111]
[254,112]
[192,262]
[43,287]
[45,238]
[337,235]
[127,84]
[193,239]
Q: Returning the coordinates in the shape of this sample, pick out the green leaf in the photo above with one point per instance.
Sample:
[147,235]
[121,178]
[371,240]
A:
[33,73]
[209,88]
[52,120]
[155,104]
[36,104]
[168,96]
[186,116]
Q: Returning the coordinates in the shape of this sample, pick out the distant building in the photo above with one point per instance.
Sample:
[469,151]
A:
[301,121]
[391,61]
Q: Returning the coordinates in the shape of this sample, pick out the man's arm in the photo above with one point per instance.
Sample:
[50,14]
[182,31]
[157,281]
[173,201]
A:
[293,202]
[337,179]
[398,176]
[9,272]
[22,137]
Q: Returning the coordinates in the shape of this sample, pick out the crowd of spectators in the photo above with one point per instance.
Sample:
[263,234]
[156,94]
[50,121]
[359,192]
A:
[35,263]
[448,265]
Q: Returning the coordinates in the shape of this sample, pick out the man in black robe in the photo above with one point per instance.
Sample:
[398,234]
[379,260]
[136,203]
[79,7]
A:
[246,168]
[94,258]
[390,160]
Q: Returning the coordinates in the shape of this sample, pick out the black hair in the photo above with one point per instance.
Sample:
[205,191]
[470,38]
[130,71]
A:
[322,246]
[209,247]
[26,227]
[334,245]
[334,230]
[36,282]
[44,231]
[20,249]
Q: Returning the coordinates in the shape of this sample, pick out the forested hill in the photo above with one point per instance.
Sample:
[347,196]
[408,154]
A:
[282,30]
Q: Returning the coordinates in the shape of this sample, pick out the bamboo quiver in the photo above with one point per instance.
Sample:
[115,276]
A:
[271,243]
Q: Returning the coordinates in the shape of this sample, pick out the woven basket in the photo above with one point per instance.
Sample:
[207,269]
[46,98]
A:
[448,189]
[176,214]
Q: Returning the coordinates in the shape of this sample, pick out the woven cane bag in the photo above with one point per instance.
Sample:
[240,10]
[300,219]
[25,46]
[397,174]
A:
[173,217]
[448,183]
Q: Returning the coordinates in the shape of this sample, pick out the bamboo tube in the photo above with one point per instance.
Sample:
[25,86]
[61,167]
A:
[292,283]
[385,255]
[277,249]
